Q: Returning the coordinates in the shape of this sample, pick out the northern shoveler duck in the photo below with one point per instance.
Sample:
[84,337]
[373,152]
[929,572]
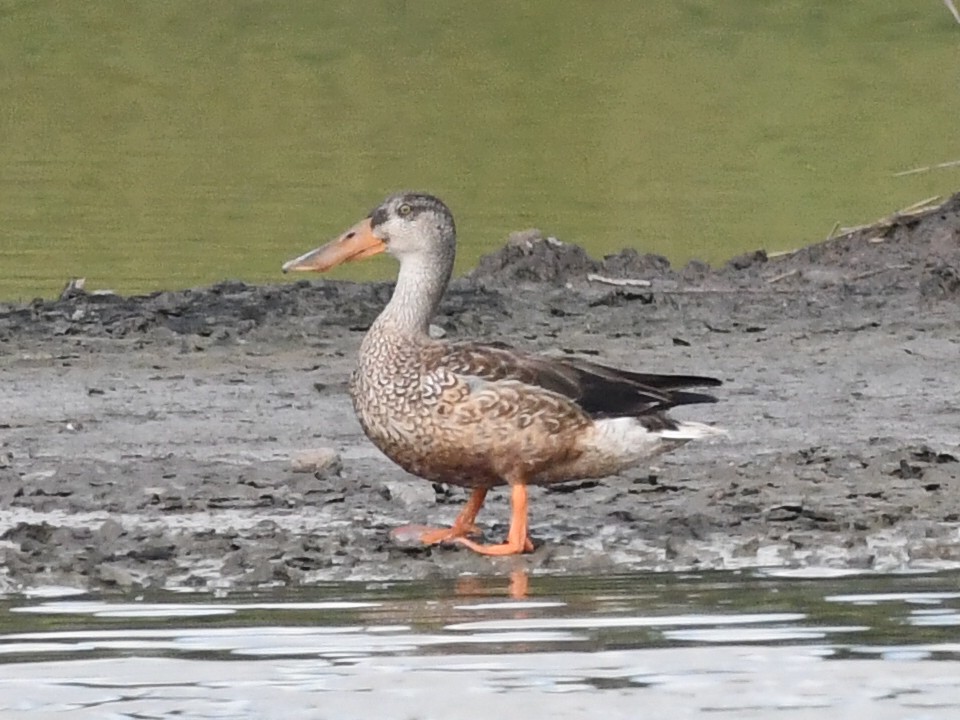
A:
[477,415]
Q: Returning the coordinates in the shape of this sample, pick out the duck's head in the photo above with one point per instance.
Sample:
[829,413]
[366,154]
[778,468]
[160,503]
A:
[407,225]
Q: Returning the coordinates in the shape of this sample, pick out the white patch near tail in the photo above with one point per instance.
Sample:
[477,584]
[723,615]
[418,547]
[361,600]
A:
[625,439]
[692,431]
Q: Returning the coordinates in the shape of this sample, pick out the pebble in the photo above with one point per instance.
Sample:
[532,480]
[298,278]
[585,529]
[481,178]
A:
[409,494]
[315,460]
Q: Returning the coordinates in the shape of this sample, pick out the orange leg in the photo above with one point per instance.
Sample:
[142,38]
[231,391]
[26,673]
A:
[463,525]
[517,539]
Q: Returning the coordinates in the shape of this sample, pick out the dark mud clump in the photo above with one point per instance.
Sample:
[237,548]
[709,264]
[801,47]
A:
[147,441]
[530,257]
[223,311]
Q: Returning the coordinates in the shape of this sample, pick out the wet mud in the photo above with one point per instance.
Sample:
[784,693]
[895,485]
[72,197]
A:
[159,441]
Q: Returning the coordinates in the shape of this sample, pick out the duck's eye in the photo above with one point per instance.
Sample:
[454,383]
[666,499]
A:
[404,210]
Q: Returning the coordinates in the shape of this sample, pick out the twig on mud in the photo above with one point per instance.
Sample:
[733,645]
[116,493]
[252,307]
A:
[844,231]
[619,282]
[730,291]
[782,276]
[777,254]
[927,168]
[833,230]
[918,207]
[953,9]
[877,271]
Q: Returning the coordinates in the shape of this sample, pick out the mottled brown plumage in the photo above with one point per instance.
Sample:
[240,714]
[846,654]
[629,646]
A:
[480,415]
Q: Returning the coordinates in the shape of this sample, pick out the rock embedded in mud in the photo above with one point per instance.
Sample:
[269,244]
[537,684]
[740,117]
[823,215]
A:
[115,574]
[408,494]
[747,260]
[317,460]
[940,280]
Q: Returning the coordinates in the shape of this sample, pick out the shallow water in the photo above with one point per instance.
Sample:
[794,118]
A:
[757,644]
[163,145]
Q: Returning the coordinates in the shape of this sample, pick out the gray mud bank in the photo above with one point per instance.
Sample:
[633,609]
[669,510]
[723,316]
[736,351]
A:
[147,441]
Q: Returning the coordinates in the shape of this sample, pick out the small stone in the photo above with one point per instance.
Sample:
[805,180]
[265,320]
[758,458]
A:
[109,532]
[750,548]
[408,536]
[525,238]
[316,460]
[115,575]
[409,494]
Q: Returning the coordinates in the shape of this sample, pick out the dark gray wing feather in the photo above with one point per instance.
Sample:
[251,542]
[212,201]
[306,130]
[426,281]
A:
[600,390]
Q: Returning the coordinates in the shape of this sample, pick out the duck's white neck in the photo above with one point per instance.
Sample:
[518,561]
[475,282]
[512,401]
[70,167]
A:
[420,285]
